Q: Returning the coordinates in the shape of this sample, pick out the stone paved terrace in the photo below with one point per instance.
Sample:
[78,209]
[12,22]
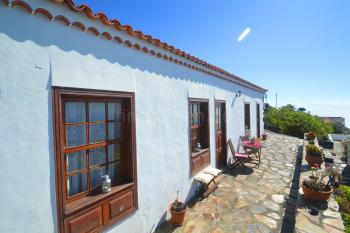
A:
[255,199]
[328,219]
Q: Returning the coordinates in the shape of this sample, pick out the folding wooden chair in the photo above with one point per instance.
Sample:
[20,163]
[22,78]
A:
[247,150]
[238,158]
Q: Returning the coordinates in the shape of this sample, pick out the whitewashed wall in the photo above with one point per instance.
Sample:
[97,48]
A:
[35,55]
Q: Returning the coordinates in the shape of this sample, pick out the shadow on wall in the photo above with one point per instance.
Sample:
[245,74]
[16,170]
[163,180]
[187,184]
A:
[51,149]
[55,34]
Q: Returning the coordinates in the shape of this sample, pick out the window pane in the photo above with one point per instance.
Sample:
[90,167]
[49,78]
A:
[97,156]
[114,130]
[114,152]
[96,176]
[97,132]
[75,135]
[195,133]
[75,112]
[76,161]
[112,171]
[76,184]
[97,111]
[114,111]
[115,171]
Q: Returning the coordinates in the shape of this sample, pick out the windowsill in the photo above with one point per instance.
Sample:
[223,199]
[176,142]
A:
[202,151]
[89,200]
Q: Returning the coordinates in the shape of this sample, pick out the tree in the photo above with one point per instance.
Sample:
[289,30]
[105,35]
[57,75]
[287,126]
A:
[290,106]
[295,123]
[301,109]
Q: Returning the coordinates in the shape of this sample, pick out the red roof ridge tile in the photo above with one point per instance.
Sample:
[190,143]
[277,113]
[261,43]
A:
[22,4]
[44,12]
[136,33]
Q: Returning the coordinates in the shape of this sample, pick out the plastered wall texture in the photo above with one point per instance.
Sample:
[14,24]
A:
[36,54]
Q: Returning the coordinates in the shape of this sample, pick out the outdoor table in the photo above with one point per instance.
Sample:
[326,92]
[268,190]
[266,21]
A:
[255,146]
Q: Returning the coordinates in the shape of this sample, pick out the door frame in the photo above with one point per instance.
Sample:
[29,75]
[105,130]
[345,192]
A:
[258,120]
[224,133]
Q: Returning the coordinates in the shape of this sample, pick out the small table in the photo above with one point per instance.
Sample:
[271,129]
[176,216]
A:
[255,146]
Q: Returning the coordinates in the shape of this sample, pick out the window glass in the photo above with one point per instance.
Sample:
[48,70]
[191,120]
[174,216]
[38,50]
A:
[114,130]
[114,111]
[114,151]
[96,176]
[96,111]
[97,132]
[97,156]
[76,161]
[76,184]
[75,112]
[75,135]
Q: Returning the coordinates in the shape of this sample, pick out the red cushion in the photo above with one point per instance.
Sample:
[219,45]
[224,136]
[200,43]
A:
[241,155]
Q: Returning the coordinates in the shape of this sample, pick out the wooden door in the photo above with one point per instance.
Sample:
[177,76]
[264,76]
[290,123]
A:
[220,134]
[258,120]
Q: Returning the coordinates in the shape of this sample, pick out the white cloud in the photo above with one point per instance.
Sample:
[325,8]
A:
[244,34]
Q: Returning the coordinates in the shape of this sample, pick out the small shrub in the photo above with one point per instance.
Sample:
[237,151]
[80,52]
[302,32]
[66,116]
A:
[288,121]
[346,221]
[343,199]
[313,150]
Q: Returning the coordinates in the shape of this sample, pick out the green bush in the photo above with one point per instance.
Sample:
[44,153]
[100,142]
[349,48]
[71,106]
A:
[288,121]
[343,199]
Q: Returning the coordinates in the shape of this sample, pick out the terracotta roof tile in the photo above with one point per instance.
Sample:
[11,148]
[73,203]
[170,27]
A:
[79,25]
[62,19]
[23,5]
[44,12]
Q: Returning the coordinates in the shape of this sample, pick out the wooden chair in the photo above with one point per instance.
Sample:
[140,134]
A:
[238,158]
[247,150]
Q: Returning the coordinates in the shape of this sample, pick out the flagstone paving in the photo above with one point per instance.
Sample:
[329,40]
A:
[264,199]
[247,200]
[328,219]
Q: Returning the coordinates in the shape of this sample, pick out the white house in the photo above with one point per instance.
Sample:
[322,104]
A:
[82,96]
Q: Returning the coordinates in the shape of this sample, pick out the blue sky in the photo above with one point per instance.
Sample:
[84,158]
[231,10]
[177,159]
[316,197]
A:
[298,49]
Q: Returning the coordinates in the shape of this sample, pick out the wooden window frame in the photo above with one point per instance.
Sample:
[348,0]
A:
[201,159]
[69,208]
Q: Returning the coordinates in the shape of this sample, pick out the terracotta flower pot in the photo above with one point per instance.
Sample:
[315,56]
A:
[315,195]
[264,136]
[310,136]
[177,218]
[312,160]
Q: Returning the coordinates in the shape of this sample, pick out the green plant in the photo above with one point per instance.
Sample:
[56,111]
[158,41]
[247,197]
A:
[346,221]
[317,181]
[313,150]
[343,199]
[288,121]
[178,206]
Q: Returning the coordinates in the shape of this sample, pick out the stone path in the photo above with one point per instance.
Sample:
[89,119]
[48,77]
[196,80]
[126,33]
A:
[251,199]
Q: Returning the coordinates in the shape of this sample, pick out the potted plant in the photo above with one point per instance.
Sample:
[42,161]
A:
[314,155]
[178,211]
[316,187]
[310,136]
[264,136]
